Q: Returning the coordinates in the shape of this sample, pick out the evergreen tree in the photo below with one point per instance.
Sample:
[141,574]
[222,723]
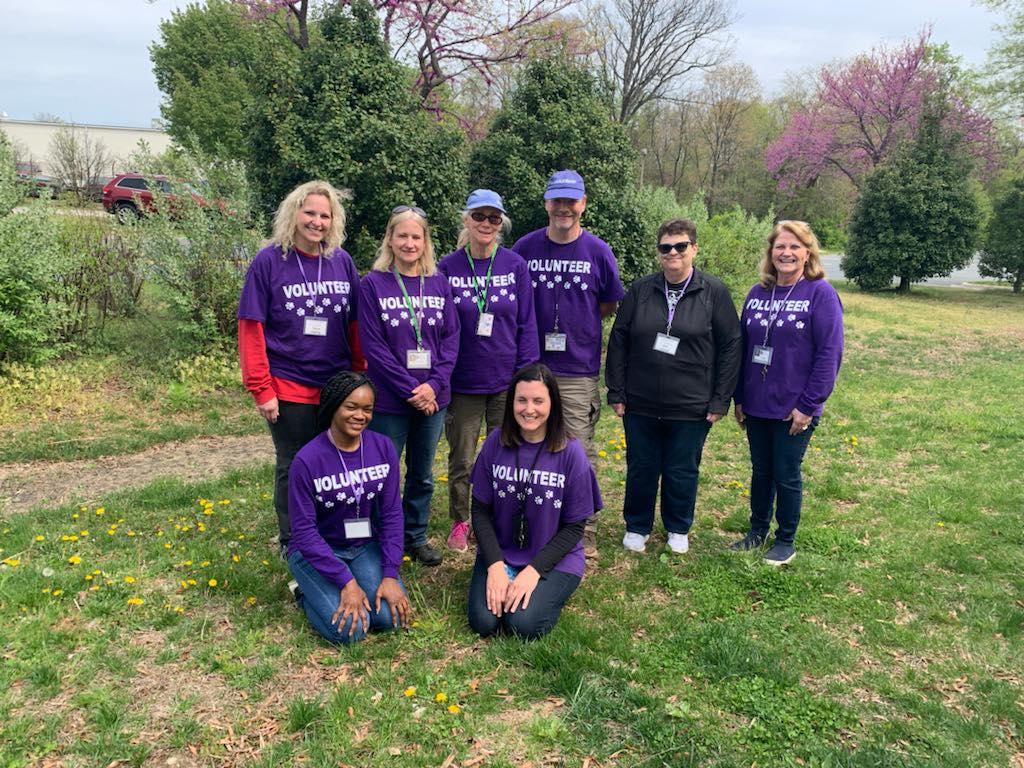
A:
[918,215]
[556,117]
[1003,253]
[344,111]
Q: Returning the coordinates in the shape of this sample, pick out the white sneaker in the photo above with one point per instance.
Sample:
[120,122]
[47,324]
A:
[678,542]
[634,542]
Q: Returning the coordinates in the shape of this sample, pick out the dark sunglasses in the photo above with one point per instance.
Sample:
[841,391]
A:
[493,218]
[414,208]
[666,248]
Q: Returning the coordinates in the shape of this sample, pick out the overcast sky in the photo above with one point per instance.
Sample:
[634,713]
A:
[88,60]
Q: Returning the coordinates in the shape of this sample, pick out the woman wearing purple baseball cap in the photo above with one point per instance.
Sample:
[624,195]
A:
[493,298]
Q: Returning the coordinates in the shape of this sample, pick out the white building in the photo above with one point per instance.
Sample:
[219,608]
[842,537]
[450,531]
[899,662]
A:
[31,140]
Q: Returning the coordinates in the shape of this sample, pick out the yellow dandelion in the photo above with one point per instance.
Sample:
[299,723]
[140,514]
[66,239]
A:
[602,454]
[440,696]
[203,502]
[208,511]
[57,592]
[443,478]
[129,579]
[192,582]
[130,533]
[168,546]
[235,559]
[406,559]
[204,563]
[111,532]
[224,501]
[266,562]
[410,691]
[94,588]
[941,525]
[212,582]
[251,600]
[454,709]
[179,609]
[97,572]
[100,510]
[83,533]
[74,559]
[83,508]
[187,562]
[46,590]
[135,601]
[74,516]
[40,537]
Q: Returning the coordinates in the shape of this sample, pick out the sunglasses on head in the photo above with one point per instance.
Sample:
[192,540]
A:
[666,248]
[493,218]
[414,208]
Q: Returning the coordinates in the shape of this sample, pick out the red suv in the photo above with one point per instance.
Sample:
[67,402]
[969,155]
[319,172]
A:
[125,193]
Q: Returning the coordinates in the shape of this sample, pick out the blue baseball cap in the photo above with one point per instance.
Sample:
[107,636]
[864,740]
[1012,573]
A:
[567,184]
[484,198]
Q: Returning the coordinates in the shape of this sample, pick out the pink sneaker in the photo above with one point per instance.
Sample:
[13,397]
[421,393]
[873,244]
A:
[458,539]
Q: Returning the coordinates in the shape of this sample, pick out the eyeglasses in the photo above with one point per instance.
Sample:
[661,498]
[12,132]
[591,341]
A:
[493,218]
[666,248]
[414,208]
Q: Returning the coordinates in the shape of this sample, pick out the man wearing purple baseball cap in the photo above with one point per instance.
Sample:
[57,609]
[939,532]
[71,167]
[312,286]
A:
[575,285]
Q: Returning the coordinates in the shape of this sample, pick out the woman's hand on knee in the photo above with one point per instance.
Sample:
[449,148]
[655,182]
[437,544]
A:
[497,588]
[391,592]
[521,588]
[352,604]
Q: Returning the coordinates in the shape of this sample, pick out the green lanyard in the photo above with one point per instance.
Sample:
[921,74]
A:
[481,295]
[414,314]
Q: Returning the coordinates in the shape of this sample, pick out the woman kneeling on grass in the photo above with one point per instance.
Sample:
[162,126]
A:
[346,517]
[533,490]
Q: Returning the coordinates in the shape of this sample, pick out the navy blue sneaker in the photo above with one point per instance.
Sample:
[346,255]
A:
[750,541]
[780,554]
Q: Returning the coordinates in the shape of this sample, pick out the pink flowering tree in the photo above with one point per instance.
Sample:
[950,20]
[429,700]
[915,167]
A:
[863,110]
[444,39]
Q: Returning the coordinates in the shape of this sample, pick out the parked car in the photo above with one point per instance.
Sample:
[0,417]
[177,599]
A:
[128,196]
[35,184]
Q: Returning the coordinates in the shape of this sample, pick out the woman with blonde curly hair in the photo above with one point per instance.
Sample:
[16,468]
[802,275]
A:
[792,326]
[296,323]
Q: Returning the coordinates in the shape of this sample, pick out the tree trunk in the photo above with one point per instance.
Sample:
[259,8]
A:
[904,286]
[1019,282]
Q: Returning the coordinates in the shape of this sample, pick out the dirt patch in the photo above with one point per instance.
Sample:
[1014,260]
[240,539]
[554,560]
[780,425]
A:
[24,486]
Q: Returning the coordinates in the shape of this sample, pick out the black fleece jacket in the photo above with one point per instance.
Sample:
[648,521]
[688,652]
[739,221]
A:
[701,376]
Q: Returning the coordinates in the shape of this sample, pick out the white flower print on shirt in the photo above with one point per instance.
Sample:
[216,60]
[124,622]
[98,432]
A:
[557,503]
[337,308]
[394,323]
[511,297]
[800,325]
[300,312]
[318,310]
[289,305]
[431,321]
[757,316]
[326,302]
[778,323]
[791,318]
[310,302]
[583,286]
[575,278]
[538,500]
[549,494]
[764,323]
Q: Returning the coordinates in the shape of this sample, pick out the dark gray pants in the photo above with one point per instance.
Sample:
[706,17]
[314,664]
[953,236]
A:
[295,426]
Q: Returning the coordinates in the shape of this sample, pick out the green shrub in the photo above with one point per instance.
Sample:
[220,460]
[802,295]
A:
[10,192]
[28,319]
[99,275]
[198,244]
[731,243]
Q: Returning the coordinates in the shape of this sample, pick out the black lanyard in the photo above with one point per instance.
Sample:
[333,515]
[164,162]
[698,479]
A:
[520,528]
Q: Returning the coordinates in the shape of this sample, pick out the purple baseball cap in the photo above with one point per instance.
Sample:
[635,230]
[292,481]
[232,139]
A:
[567,184]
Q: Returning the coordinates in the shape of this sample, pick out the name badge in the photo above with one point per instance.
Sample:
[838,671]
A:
[315,326]
[554,342]
[762,355]
[665,343]
[417,359]
[357,528]
[485,325]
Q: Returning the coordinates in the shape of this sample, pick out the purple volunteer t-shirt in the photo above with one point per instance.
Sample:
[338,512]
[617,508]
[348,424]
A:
[576,278]
[486,364]
[386,334]
[806,337]
[276,295]
[562,489]
[321,496]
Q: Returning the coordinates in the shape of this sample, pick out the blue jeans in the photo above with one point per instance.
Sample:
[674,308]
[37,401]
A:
[537,619]
[320,597]
[668,450]
[417,435]
[776,480]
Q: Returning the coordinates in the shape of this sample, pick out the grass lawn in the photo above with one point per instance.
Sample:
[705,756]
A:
[140,383]
[157,629]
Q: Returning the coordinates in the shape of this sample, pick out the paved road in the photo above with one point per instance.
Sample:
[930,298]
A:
[959,278]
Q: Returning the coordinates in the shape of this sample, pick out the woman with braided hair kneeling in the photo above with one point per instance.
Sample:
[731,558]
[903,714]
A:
[346,519]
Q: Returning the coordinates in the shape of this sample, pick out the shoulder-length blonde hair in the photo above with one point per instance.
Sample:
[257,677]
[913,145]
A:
[802,231]
[386,257]
[506,227]
[287,216]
